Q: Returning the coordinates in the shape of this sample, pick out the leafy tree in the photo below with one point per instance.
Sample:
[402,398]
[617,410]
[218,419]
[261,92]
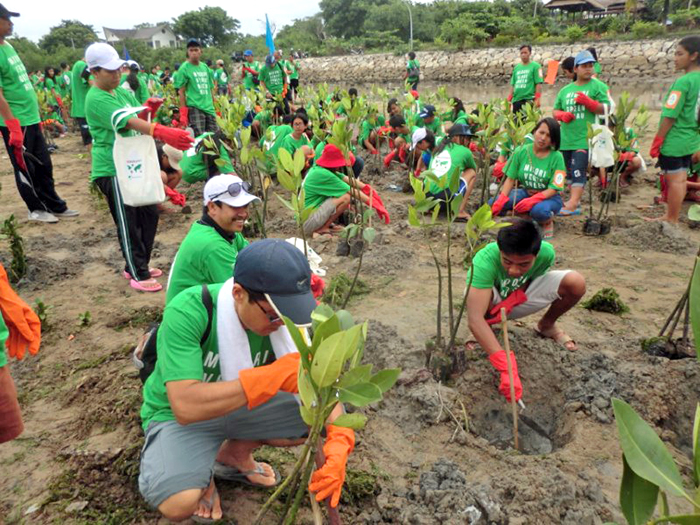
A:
[306,34]
[345,18]
[70,33]
[32,57]
[462,31]
[210,25]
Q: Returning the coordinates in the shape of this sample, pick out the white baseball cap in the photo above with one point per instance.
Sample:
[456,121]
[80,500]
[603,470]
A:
[103,55]
[229,189]
[418,135]
[174,156]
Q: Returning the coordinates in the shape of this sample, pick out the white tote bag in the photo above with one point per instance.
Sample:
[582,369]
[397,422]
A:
[136,161]
[602,147]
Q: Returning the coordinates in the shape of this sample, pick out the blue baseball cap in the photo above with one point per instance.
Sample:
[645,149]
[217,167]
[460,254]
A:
[584,57]
[270,60]
[281,272]
[247,53]
[427,111]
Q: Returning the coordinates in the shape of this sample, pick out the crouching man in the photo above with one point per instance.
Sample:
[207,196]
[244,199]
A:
[223,383]
[515,273]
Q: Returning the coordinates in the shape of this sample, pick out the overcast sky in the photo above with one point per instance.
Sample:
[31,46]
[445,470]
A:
[37,16]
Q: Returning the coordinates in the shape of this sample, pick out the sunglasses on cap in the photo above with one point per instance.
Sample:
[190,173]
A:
[234,190]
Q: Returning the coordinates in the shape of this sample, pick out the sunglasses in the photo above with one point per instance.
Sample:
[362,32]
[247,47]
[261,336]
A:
[234,190]
[272,317]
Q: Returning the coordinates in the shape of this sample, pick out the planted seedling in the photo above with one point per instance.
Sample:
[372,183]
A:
[329,373]
[289,175]
[18,266]
[42,312]
[606,300]
[84,319]
[488,123]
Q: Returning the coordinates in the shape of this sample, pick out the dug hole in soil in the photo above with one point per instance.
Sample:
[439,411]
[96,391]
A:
[431,453]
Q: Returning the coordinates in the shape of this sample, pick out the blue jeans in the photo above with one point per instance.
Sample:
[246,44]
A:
[358,166]
[576,166]
[540,212]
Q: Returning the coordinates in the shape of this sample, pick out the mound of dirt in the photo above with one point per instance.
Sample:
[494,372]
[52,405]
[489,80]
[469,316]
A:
[658,236]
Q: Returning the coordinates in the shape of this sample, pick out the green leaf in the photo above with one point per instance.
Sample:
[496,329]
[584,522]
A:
[637,496]
[245,155]
[694,212]
[285,159]
[299,161]
[696,447]
[413,217]
[285,179]
[286,203]
[360,395]
[354,421]
[369,235]
[329,358]
[321,314]
[694,301]
[685,519]
[306,389]
[385,379]
[307,415]
[359,374]
[346,319]
[298,339]
[306,213]
[645,452]
[326,329]
[353,336]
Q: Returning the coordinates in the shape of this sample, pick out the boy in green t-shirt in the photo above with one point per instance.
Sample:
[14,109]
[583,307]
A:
[250,70]
[195,84]
[412,74]
[514,273]
[526,81]
[221,78]
[292,69]
[273,82]
[223,382]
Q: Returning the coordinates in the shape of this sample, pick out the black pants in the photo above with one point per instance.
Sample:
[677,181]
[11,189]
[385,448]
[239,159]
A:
[136,228]
[36,186]
[519,106]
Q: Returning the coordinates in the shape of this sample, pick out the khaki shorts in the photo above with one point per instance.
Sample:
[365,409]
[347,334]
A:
[542,292]
[11,424]
[319,217]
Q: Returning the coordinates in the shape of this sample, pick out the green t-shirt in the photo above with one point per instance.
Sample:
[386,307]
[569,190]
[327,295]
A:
[597,70]
[291,144]
[279,133]
[682,101]
[435,126]
[534,173]
[292,68]
[274,78]
[4,334]
[574,135]
[180,355]
[61,84]
[193,166]
[264,117]
[204,257]
[99,107]
[631,136]
[524,79]
[489,272]
[79,89]
[198,82]
[321,184]
[50,84]
[248,77]
[17,88]
[450,162]
[413,70]
[506,148]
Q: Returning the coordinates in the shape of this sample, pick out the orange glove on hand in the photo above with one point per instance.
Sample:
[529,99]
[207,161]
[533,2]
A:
[184,116]
[262,383]
[655,150]
[177,138]
[500,363]
[328,480]
[152,105]
[564,116]
[21,321]
[516,298]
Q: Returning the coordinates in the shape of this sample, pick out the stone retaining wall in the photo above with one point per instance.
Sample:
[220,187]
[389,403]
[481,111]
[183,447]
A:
[632,61]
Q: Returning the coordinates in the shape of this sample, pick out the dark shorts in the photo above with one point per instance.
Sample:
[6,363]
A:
[519,105]
[294,83]
[84,130]
[672,165]
[11,424]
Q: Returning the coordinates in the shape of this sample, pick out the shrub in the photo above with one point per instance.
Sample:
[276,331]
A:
[647,30]
[686,18]
[574,34]
[620,24]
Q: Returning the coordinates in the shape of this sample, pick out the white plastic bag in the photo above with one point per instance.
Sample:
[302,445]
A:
[602,146]
[136,162]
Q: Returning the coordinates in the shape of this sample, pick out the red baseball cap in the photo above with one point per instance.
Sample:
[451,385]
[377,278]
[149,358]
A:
[332,157]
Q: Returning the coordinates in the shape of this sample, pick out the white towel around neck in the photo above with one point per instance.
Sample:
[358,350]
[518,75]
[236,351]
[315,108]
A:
[234,348]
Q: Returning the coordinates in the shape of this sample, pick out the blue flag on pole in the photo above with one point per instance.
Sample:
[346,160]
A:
[126,53]
[268,37]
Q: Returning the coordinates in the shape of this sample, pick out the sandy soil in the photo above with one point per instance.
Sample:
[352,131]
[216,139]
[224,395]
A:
[77,461]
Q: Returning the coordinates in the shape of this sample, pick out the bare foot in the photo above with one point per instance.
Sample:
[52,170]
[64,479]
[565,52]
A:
[660,219]
[210,504]
[558,335]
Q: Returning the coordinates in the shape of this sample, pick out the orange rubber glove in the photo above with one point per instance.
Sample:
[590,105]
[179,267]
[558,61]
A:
[152,105]
[328,480]
[498,169]
[262,383]
[184,116]
[564,116]
[527,204]
[500,363]
[516,298]
[498,204]
[587,102]
[655,150]
[21,321]
[177,138]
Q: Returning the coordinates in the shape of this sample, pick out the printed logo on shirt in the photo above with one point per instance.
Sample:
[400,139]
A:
[672,100]
[559,177]
[442,164]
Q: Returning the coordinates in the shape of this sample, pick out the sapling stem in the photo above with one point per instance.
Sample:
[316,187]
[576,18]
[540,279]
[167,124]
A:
[514,408]
[450,306]
[439,303]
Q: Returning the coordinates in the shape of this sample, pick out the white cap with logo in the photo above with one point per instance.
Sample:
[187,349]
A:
[103,55]
[229,189]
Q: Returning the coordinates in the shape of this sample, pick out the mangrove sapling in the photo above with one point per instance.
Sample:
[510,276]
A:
[442,357]
[329,373]
[289,175]
[650,473]
[42,312]
[488,123]
[18,266]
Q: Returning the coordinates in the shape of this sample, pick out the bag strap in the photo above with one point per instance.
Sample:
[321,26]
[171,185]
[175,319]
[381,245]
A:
[209,305]
[119,115]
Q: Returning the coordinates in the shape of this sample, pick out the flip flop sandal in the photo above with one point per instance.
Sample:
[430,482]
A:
[139,285]
[228,473]
[561,338]
[153,272]
[209,504]
[548,232]
[566,213]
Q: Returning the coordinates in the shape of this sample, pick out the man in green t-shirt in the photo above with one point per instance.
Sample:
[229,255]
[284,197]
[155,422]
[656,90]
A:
[223,382]
[221,78]
[79,86]
[209,250]
[412,74]
[250,70]
[514,273]
[24,140]
[195,84]
[526,81]
[292,69]
[273,81]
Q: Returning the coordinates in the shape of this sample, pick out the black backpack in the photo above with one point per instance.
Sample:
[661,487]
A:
[150,352]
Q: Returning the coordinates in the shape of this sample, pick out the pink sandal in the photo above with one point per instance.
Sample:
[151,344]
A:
[141,285]
[154,272]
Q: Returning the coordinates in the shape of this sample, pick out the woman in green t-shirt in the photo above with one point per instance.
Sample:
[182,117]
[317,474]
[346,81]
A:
[136,226]
[297,138]
[677,137]
[540,172]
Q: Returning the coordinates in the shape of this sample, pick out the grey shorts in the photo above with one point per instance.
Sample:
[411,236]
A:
[320,216]
[542,292]
[176,457]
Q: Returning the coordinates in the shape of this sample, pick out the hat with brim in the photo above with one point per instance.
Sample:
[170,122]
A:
[427,111]
[418,135]
[332,157]
[584,57]
[193,42]
[4,13]
[174,156]
[248,53]
[460,130]
[216,190]
[103,56]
